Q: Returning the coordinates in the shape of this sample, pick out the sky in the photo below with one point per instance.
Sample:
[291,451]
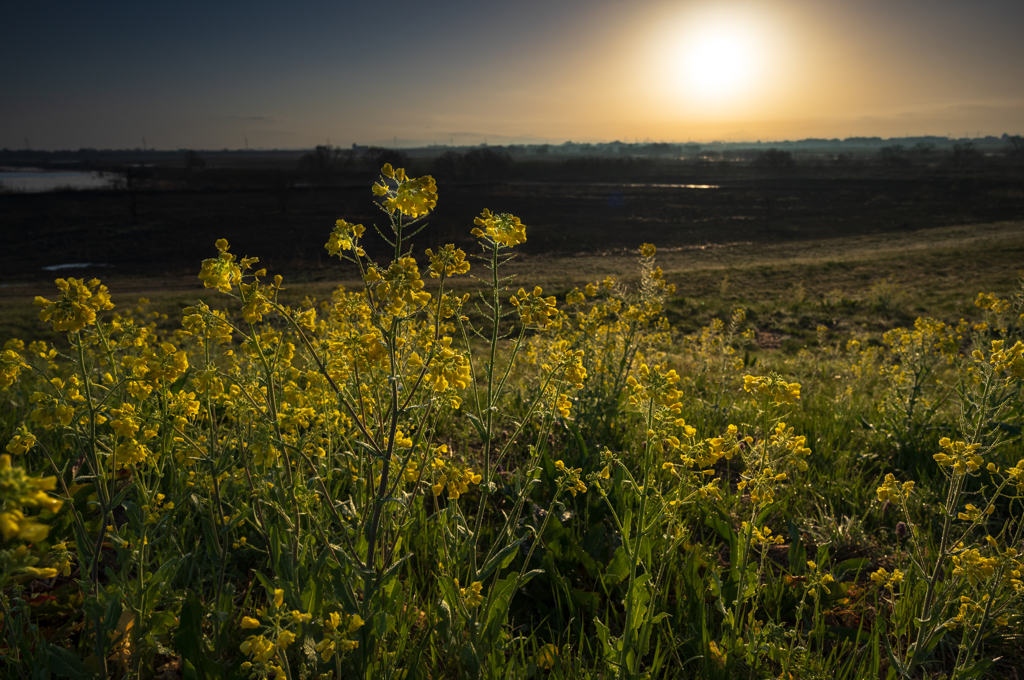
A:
[212,75]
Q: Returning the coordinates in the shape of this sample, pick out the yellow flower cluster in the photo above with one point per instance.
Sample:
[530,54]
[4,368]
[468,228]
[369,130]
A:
[77,306]
[793,446]
[221,272]
[706,452]
[399,288]
[762,537]
[1009,361]
[345,236]
[991,302]
[973,514]
[889,581]
[655,385]
[928,337]
[21,442]
[449,369]
[1016,474]
[563,405]
[570,479]
[11,363]
[409,196]
[337,629]
[19,491]
[570,360]
[448,261]
[773,388]
[453,476]
[503,230]
[280,624]
[974,566]
[472,595]
[892,490]
[960,456]
[535,310]
[762,487]
[818,579]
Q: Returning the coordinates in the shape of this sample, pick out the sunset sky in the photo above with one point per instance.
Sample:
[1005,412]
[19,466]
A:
[211,75]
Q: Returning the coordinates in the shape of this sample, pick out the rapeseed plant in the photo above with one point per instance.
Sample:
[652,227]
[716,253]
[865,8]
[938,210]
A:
[411,480]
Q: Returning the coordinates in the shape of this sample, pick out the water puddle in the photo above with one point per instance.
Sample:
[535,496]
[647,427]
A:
[73,265]
[35,180]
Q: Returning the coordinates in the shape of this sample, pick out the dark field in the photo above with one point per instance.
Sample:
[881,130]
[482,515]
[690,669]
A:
[287,229]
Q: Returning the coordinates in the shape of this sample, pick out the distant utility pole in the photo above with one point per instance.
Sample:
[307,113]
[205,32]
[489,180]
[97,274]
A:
[246,143]
[143,143]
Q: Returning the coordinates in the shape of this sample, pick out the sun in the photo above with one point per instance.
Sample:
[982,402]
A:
[719,61]
[718,65]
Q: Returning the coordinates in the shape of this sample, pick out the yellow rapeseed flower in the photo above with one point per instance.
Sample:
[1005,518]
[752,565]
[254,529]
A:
[448,261]
[504,229]
[221,272]
[345,236]
[409,196]
[772,387]
[960,456]
[77,306]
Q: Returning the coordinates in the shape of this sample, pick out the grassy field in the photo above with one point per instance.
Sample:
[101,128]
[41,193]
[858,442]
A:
[930,271]
[784,458]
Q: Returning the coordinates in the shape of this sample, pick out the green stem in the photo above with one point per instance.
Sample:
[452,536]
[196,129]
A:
[634,548]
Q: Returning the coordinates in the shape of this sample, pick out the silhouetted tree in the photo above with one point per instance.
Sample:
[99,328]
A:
[193,161]
[281,183]
[375,157]
[893,155]
[774,159]
[964,156]
[486,165]
[1014,145]
[129,179]
[447,166]
[322,166]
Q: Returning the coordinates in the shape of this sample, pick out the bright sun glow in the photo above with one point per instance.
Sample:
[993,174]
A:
[718,65]
[720,62]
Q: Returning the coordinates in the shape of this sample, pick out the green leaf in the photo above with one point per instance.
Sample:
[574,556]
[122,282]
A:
[392,570]
[66,663]
[900,668]
[494,618]
[444,621]
[618,567]
[267,583]
[501,560]
[166,572]
[113,613]
[470,660]
[976,670]
[478,425]
[856,565]
[190,642]
[310,596]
